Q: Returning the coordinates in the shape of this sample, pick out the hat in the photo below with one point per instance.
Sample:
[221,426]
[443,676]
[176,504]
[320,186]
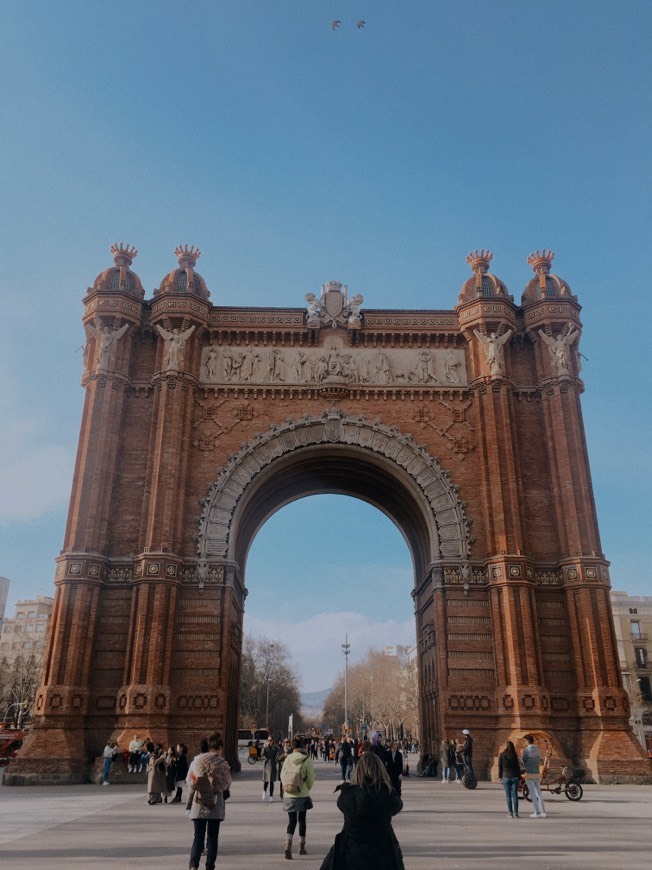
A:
[465,731]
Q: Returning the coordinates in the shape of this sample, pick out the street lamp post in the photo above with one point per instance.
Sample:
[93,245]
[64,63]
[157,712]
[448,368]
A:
[346,649]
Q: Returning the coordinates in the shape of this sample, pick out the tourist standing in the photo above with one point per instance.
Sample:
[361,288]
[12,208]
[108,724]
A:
[367,840]
[531,758]
[297,777]
[110,752]
[155,774]
[445,759]
[209,776]
[509,773]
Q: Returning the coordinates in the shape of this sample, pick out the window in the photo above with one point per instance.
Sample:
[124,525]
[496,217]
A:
[31,614]
[633,610]
[635,628]
[40,627]
[646,689]
[20,615]
[29,628]
[641,656]
[115,280]
[27,644]
[183,280]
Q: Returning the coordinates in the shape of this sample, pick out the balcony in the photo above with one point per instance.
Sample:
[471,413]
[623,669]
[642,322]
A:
[639,638]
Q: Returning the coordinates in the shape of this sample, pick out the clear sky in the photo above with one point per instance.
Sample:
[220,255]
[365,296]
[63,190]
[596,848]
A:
[292,154]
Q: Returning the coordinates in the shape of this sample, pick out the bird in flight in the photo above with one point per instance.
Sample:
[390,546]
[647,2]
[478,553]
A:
[335,24]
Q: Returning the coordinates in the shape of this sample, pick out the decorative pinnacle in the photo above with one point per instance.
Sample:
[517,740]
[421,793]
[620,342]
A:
[123,254]
[479,260]
[541,261]
[187,256]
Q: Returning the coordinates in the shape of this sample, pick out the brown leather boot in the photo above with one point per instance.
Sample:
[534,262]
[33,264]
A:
[302,846]
[288,849]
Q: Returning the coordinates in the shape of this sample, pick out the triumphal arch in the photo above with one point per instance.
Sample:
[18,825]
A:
[463,426]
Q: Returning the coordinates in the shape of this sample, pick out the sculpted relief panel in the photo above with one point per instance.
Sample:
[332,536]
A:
[267,366]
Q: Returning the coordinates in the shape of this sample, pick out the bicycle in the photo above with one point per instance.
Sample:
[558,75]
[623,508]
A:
[254,754]
[569,785]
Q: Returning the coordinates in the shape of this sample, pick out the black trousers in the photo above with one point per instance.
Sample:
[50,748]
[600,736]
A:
[292,823]
[203,826]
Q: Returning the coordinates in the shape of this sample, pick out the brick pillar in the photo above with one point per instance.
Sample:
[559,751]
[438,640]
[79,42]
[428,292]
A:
[604,742]
[62,701]
[144,704]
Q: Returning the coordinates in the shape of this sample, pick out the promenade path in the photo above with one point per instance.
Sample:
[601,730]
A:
[441,826]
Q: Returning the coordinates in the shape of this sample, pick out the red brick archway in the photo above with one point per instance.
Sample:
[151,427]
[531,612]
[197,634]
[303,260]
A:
[463,426]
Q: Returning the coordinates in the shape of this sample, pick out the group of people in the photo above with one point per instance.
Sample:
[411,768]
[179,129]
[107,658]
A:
[369,796]
[510,770]
[369,793]
[456,757]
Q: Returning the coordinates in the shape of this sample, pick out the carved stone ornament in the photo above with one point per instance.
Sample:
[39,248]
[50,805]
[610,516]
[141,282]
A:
[333,308]
[315,366]
[449,521]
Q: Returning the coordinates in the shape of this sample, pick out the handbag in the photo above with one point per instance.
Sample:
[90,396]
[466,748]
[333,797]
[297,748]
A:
[226,794]
[309,803]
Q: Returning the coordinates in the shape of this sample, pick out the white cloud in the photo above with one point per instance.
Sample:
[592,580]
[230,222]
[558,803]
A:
[316,642]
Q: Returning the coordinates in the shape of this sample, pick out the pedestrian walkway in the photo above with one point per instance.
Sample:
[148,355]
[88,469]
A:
[441,826]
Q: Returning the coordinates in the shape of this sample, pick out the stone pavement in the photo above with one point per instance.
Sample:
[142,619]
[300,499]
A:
[441,826]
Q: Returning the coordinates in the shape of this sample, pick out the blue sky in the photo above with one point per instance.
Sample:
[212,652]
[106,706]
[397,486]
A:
[292,154]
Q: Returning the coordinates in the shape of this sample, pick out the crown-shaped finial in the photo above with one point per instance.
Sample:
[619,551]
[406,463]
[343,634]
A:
[187,256]
[541,261]
[479,260]
[123,254]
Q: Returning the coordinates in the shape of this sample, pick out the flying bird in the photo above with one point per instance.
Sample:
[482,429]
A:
[360,24]
[335,24]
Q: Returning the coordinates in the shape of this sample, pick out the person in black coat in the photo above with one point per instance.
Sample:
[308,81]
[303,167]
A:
[509,773]
[394,765]
[367,841]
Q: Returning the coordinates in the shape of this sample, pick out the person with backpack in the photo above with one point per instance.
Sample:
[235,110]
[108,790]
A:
[297,778]
[209,777]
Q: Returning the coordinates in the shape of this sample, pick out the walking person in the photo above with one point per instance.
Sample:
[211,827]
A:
[394,765]
[367,840]
[345,756]
[531,759]
[209,777]
[297,777]
[181,772]
[509,773]
[270,755]
[170,772]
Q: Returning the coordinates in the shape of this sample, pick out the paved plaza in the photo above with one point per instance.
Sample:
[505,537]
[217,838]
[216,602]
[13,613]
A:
[441,826]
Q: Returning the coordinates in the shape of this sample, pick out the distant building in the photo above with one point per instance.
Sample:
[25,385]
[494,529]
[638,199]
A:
[633,623]
[26,633]
[4,593]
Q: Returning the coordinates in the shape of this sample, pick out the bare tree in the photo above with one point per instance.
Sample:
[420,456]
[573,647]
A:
[269,688]
[18,685]
[381,694]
